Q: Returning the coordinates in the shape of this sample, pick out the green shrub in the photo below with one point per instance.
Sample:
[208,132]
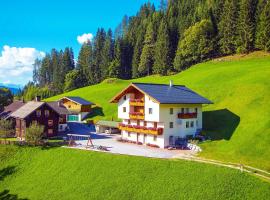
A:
[34,133]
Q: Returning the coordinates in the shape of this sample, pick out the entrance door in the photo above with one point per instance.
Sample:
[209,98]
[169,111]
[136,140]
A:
[171,143]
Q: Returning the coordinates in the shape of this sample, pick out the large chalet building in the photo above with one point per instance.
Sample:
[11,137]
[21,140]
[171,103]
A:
[159,114]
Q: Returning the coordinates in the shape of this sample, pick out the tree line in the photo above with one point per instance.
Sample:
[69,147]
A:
[162,41]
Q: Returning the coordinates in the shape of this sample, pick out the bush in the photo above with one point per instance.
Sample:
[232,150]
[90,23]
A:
[6,129]
[34,133]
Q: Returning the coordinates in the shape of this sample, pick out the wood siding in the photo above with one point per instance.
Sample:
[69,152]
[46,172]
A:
[53,118]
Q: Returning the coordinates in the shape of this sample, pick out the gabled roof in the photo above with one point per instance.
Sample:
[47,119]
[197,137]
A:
[58,107]
[10,109]
[27,109]
[166,94]
[79,100]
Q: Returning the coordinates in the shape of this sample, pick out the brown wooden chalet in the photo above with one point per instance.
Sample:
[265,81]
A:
[50,115]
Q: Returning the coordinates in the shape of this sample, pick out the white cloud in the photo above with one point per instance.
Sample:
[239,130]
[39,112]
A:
[16,64]
[84,37]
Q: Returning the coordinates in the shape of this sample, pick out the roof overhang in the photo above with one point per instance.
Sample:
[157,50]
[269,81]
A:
[129,89]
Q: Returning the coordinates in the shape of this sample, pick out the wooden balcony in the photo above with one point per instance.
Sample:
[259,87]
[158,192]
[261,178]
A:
[187,115]
[136,102]
[141,129]
[136,115]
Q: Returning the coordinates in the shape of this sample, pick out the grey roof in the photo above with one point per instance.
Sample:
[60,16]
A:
[79,100]
[58,107]
[176,94]
[10,109]
[27,109]
[112,124]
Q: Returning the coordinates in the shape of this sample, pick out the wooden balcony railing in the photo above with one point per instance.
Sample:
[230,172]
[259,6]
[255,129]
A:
[187,115]
[136,115]
[136,102]
[140,129]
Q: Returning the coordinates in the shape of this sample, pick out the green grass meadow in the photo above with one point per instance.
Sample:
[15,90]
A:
[61,173]
[238,121]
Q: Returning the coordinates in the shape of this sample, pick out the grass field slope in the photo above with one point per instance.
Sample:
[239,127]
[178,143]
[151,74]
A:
[61,173]
[238,121]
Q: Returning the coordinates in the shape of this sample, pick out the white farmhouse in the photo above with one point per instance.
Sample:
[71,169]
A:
[159,114]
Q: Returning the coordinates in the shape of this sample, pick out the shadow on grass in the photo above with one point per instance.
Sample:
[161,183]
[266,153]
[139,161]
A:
[6,172]
[5,195]
[220,124]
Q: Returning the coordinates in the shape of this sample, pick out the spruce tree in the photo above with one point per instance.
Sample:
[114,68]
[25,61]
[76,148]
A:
[146,59]
[161,53]
[85,65]
[228,27]
[247,25]
[263,30]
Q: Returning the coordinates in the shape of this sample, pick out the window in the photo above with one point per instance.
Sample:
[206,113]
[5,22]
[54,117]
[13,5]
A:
[124,109]
[50,122]
[128,134]
[182,110]
[155,124]
[69,106]
[61,120]
[47,113]
[171,124]
[197,123]
[196,110]
[171,111]
[187,124]
[128,121]
[187,110]
[192,124]
[138,122]
[38,113]
[60,127]
[50,131]
[125,97]
[155,138]
[150,111]
[145,123]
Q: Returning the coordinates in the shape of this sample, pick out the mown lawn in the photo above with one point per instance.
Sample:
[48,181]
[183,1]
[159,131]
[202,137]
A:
[238,121]
[60,173]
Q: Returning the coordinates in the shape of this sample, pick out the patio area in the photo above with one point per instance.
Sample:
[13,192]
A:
[116,147]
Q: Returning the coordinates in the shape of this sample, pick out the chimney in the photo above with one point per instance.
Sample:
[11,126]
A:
[171,83]
[38,98]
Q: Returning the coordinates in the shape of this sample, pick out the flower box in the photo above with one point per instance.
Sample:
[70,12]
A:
[187,115]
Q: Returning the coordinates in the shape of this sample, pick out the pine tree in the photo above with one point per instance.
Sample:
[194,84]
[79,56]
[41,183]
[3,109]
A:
[228,27]
[146,59]
[161,53]
[36,71]
[263,31]
[247,25]
[97,54]
[136,55]
[107,55]
[85,65]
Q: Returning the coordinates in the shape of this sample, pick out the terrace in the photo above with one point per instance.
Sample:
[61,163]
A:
[136,115]
[136,102]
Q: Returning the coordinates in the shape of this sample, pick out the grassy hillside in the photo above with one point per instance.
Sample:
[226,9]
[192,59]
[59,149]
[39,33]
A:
[60,173]
[239,119]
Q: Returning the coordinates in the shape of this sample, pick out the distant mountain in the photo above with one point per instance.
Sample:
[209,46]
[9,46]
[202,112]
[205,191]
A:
[13,87]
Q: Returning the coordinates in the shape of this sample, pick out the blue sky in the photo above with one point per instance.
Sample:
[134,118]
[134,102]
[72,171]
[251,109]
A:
[29,28]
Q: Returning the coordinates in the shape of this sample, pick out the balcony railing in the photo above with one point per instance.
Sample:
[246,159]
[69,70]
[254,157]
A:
[136,102]
[187,115]
[136,115]
[140,129]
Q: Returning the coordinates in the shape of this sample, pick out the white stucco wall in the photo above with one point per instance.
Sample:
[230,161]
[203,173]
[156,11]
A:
[124,103]
[149,103]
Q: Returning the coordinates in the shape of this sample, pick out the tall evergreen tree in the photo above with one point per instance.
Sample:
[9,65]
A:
[263,30]
[228,27]
[85,65]
[36,71]
[162,50]
[247,25]
[97,54]
[146,59]
[107,55]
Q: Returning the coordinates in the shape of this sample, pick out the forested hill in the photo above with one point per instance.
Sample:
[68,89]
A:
[162,40]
